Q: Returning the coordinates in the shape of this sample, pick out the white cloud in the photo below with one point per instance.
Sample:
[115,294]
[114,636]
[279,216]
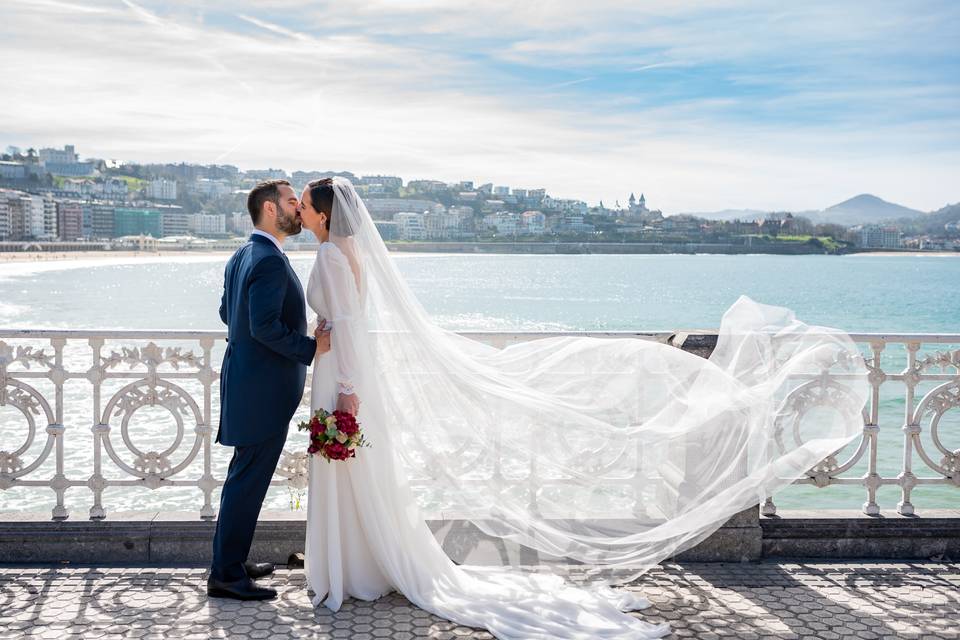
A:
[360,86]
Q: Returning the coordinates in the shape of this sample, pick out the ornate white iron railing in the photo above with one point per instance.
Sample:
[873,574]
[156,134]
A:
[120,373]
[918,371]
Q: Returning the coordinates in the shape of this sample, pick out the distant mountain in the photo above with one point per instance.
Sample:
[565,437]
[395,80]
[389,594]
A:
[949,213]
[932,222]
[862,209]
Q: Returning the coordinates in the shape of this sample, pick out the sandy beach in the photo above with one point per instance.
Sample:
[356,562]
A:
[45,256]
[924,254]
[50,256]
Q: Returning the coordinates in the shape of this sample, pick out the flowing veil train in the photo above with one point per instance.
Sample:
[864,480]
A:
[617,453]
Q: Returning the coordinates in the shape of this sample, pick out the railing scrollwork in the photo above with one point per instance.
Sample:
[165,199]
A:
[114,376]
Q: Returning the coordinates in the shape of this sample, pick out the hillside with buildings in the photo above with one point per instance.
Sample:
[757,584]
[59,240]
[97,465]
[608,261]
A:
[52,196]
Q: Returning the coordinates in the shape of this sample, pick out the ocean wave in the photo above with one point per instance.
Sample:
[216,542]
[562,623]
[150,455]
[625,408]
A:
[10,312]
[23,268]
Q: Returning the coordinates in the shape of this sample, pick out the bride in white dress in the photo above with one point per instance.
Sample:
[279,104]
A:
[613,453]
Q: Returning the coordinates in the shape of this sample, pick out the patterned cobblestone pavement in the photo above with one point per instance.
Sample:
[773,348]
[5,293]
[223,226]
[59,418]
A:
[768,600]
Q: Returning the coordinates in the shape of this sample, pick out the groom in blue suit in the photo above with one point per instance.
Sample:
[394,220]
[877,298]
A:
[261,381]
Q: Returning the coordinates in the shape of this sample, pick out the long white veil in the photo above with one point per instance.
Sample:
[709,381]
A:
[614,452]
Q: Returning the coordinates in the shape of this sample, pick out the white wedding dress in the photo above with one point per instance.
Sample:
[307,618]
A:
[614,453]
[366,538]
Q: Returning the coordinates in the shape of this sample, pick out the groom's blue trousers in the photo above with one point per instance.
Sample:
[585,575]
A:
[248,479]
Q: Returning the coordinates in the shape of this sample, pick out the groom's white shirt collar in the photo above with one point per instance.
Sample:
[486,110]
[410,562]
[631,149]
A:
[276,242]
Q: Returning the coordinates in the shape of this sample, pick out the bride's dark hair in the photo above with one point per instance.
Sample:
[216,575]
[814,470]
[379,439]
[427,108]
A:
[322,197]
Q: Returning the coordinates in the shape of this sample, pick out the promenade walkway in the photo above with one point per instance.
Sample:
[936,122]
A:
[831,601]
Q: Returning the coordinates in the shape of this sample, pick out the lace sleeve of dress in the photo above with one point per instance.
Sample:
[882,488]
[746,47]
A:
[343,301]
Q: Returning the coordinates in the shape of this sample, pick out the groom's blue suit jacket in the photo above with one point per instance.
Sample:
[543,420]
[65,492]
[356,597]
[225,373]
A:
[261,380]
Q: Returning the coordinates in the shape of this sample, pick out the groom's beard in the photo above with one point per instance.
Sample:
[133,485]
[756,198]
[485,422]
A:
[289,225]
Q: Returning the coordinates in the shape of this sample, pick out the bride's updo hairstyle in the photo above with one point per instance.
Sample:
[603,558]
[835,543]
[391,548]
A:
[322,197]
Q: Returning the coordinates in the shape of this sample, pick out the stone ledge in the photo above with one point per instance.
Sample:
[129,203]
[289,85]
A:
[178,537]
[171,537]
[852,534]
[700,342]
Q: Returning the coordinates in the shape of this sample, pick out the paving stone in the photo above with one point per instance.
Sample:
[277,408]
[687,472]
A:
[749,601]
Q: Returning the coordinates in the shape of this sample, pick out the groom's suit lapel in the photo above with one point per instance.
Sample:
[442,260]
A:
[290,272]
[293,276]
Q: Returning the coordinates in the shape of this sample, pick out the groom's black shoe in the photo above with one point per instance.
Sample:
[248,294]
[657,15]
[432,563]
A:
[258,569]
[244,589]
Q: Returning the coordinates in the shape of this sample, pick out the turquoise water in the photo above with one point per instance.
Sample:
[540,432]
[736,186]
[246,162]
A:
[908,294]
[522,292]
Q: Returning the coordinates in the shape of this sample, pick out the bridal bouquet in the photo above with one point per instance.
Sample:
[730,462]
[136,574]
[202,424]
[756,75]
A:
[335,436]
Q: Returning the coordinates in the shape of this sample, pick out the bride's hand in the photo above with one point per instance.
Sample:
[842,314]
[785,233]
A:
[322,334]
[349,403]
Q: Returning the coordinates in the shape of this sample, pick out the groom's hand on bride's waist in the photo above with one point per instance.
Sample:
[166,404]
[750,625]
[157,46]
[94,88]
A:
[322,335]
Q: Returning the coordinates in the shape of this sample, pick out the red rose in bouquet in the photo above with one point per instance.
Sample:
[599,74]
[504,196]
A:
[336,451]
[334,436]
[346,423]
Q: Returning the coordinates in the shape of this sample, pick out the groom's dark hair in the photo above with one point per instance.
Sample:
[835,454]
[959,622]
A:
[266,191]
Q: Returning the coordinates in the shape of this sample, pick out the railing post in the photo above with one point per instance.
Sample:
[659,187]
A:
[207,482]
[871,429]
[911,431]
[96,482]
[59,482]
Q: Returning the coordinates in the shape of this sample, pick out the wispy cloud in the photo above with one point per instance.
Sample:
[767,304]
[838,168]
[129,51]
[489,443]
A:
[56,5]
[570,83]
[271,27]
[657,65]
[738,104]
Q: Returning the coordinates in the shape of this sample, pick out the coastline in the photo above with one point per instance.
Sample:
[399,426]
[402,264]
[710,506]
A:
[19,257]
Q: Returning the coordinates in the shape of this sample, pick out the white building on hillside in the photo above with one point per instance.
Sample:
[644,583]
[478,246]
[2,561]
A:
[577,207]
[67,155]
[210,188]
[162,189]
[533,223]
[503,222]
[387,182]
[410,226]
[206,224]
[241,224]
[265,174]
[575,224]
[386,208]
[64,162]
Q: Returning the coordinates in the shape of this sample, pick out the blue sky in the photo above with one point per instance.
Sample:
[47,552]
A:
[701,106]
